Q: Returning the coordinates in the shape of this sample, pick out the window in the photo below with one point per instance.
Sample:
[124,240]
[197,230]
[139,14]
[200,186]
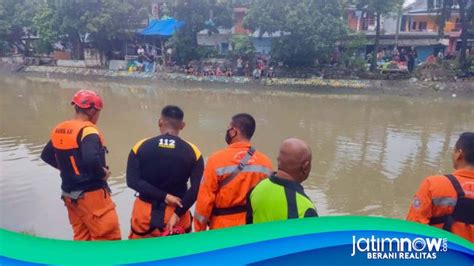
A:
[413,26]
[422,26]
[430,4]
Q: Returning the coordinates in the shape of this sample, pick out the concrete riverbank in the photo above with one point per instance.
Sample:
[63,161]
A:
[410,87]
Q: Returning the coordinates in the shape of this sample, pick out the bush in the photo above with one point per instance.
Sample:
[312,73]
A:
[242,46]
[4,48]
[42,47]
[444,70]
[204,52]
[293,53]
[358,64]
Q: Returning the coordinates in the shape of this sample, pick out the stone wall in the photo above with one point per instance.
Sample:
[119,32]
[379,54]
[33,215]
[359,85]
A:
[92,58]
[71,63]
[117,65]
[14,59]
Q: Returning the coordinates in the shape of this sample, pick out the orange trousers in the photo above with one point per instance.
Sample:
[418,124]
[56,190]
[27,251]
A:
[93,216]
[141,216]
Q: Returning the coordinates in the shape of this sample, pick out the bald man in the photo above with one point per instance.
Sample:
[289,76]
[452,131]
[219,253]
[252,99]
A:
[281,196]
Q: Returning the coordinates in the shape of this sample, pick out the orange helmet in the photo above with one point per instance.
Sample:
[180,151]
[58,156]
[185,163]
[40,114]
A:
[86,99]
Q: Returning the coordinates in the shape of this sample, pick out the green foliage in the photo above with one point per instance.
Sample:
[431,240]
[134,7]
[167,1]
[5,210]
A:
[112,22]
[16,20]
[64,20]
[207,52]
[295,53]
[104,21]
[197,15]
[382,7]
[4,48]
[350,57]
[357,41]
[46,26]
[242,46]
[310,28]
[42,47]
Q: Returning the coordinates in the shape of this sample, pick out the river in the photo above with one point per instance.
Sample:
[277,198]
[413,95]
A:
[369,152]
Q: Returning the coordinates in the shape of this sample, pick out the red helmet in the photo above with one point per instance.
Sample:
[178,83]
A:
[87,99]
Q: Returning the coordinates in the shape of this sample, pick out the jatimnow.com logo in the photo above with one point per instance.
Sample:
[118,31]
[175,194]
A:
[385,248]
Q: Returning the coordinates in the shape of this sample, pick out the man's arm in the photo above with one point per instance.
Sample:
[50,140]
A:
[190,197]
[48,156]
[134,180]
[206,197]
[421,207]
[91,150]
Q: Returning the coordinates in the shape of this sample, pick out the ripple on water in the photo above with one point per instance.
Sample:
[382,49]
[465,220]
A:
[400,151]
[16,189]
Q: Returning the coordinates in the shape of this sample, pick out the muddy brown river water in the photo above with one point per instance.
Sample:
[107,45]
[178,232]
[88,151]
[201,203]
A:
[369,152]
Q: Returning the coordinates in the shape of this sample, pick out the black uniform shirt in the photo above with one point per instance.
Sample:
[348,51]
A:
[163,165]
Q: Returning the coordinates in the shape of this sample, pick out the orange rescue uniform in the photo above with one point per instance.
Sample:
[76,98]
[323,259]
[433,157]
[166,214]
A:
[141,220]
[93,216]
[437,199]
[77,149]
[221,205]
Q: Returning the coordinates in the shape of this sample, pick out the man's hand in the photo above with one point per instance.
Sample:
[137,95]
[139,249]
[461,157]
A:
[107,173]
[174,220]
[173,201]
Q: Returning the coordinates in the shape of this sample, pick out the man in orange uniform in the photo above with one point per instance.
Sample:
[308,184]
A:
[228,176]
[447,202]
[77,149]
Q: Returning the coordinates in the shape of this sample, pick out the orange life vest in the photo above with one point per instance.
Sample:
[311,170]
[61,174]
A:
[66,139]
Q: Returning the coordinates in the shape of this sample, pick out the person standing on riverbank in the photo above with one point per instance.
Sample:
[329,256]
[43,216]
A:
[158,169]
[240,67]
[229,175]
[281,196]
[77,149]
[447,202]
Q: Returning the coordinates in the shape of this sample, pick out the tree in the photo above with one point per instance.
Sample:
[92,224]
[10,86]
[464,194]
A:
[114,22]
[16,24]
[64,20]
[47,29]
[101,22]
[197,15]
[309,29]
[379,8]
[242,46]
[466,14]
[444,13]
[466,17]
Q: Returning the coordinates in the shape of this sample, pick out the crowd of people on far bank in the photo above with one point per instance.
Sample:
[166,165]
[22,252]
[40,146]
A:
[148,58]
[237,185]
[241,67]
[403,59]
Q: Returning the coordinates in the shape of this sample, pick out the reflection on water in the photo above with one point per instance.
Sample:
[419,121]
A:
[370,152]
